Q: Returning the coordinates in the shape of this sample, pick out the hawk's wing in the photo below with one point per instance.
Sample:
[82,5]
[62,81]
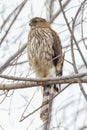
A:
[49,90]
[58,57]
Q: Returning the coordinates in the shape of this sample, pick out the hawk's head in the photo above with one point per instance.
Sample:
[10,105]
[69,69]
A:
[39,22]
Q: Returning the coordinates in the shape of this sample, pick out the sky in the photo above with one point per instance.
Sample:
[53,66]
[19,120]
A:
[68,105]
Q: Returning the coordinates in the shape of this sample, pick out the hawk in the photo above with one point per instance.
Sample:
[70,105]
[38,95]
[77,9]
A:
[45,58]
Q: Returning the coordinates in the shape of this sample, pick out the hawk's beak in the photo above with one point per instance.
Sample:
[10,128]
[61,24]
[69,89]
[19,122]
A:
[30,23]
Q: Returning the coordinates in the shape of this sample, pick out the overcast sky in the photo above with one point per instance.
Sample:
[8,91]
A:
[13,106]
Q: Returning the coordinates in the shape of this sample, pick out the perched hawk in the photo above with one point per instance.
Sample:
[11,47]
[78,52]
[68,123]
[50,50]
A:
[45,58]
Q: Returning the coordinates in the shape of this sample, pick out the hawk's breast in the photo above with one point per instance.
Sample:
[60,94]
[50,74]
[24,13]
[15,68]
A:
[40,49]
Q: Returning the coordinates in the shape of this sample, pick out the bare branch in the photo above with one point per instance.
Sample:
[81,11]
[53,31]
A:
[21,7]
[68,77]
[32,82]
[5,65]
[59,11]
[72,32]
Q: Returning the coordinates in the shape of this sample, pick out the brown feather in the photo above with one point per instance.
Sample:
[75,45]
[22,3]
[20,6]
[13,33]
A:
[58,57]
[45,58]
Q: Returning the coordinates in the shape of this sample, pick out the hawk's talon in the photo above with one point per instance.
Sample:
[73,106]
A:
[41,84]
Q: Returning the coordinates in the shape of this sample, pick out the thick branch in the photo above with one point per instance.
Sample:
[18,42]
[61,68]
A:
[29,84]
[68,77]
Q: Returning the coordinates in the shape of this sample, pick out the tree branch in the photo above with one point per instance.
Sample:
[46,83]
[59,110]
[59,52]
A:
[14,19]
[59,11]
[32,82]
[68,77]
[11,58]
[72,35]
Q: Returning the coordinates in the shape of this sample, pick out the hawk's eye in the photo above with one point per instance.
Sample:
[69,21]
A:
[42,20]
[35,21]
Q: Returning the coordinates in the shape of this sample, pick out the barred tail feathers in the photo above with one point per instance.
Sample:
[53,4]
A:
[48,93]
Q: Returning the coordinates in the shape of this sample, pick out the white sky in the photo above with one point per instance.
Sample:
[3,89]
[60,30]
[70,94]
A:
[20,98]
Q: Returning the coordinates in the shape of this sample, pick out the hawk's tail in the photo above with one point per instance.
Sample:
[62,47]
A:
[48,94]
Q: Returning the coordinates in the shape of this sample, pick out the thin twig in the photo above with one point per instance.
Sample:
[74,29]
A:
[72,32]
[6,64]
[24,117]
[14,19]
[59,11]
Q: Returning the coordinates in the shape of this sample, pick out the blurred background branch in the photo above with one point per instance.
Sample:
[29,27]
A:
[69,19]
